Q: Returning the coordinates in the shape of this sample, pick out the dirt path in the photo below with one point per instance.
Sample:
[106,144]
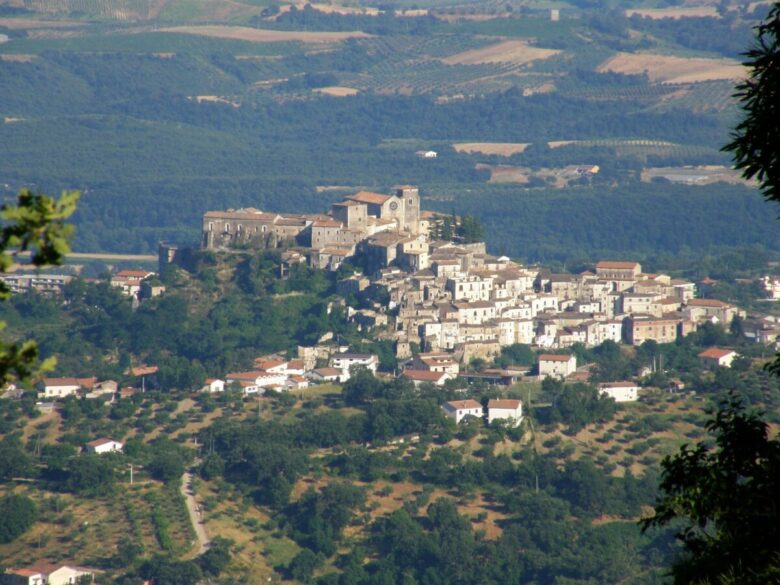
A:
[196,515]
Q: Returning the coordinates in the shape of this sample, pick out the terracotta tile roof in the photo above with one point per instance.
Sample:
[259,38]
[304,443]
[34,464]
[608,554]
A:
[708,303]
[42,568]
[609,265]
[716,353]
[548,357]
[463,404]
[326,223]
[624,384]
[508,404]
[327,372]
[100,442]
[268,363]
[143,370]
[369,197]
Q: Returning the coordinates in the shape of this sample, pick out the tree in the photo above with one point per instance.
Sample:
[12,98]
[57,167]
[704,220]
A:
[91,474]
[755,143]
[17,514]
[217,557]
[167,464]
[303,564]
[726,496]
[14,462]
[35,223]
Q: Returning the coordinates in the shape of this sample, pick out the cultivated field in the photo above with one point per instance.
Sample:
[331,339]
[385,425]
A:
[505,173]
[517,52]
[674,12]
[669,69]
[701,175]
[496,148]
[337,91]
[29,23]
[257,35]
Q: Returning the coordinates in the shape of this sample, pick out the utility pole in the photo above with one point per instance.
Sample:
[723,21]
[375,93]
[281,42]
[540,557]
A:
[131,474]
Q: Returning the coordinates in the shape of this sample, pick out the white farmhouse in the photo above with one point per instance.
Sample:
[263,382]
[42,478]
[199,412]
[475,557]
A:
[557,366]
[321,375]
[619,391]
[716,356]
[213,385]
[425,377]
[508,410]
[100,446]
[256,380]
[62,387]
[457,410]
[46,574]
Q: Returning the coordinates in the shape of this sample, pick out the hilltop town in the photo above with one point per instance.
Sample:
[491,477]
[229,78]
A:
[453,297]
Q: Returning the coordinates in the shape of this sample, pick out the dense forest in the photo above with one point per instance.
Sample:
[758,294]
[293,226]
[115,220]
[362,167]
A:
[127,130]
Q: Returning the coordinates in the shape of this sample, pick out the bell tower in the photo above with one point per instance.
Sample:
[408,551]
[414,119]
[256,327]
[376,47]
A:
[411,198]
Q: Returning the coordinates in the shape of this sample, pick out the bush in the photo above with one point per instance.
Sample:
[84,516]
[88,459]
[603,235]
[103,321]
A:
[17,514]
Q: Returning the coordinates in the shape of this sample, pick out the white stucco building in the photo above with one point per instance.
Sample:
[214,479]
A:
[508,410]
[620,391]
[457,410]
[100,446]
[557,366]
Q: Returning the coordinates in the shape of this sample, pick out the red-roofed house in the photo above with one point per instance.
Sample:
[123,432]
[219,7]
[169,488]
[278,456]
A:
[61,387]
[273,365]
[425,377]
[100,446]
[325,375]
[557,366]
[296,382]
[716,356]
[130,281]
[213,385]
[619,391]
[460,409]
[709,310]
[508,410]
[46,574]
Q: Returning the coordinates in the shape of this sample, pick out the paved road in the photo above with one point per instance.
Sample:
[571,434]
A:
[195,511]
[101,256]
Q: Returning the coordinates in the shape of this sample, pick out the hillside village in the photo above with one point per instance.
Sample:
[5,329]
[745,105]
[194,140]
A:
[455,301]
[441,303]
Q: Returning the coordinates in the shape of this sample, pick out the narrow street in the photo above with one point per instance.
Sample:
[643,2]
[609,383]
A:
[195,511]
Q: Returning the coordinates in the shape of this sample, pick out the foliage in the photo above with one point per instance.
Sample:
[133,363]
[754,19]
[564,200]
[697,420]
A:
[35,224]
[755,145]
[168,461]
[165,571]
[577,404]
[91,474]
[319,517]
[726,495]
[14,462]
[17,514]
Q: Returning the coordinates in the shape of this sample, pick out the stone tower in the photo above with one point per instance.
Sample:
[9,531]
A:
[411,198]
